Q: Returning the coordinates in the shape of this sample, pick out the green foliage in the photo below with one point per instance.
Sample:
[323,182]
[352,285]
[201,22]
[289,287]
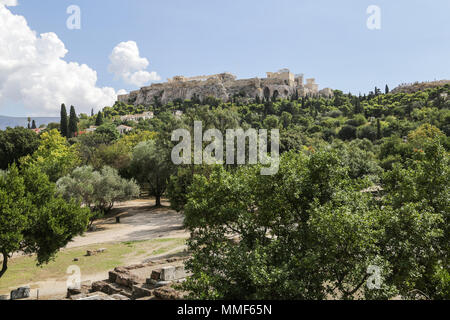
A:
[64,124]
[151,163]
[293,232]
[15,144]
[54,156]
[109,131]
[418,219]
[309,233]
[347,133]
[73,123]
[33,218]
[99,119]
[97,190]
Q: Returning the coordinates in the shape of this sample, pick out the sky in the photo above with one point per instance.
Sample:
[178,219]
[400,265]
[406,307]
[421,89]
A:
[123,45]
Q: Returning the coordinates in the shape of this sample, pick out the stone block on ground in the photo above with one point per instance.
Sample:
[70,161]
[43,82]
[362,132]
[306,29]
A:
[112,276]
[156,274]
[84,288]
[91,253]
[20,293]
[168,293]
[127,280]
[100,286]
[141,291]
[173,273]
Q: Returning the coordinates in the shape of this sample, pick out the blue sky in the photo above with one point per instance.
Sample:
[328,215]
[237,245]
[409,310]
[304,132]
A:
[327,40]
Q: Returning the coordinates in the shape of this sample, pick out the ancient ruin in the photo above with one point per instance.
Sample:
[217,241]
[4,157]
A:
[225,86]
[151,280]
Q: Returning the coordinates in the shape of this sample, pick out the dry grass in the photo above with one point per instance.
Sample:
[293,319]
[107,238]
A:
[23,270]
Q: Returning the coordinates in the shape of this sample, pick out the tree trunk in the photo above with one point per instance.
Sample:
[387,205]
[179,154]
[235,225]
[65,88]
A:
[5,264]
[158,201]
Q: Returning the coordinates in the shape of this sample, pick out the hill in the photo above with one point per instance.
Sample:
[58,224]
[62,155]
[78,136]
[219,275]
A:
[419,86]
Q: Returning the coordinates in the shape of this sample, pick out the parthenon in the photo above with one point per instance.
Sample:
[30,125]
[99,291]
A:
[225,86]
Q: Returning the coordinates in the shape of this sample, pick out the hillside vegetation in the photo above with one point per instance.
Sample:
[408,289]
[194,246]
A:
[358,209]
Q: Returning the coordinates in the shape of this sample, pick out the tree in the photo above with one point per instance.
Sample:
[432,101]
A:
[367,132]
[109,131]
[347,133]
[64,125]
[33,219]
[97,190]
[73,123]
[286,119]
[15,144]
[379,133]
[33,125]
[54,156]
[271,122]
[115,155]
[304,233]
[29,121]
[417,222]
[151,163]
[386,90]
[99,120]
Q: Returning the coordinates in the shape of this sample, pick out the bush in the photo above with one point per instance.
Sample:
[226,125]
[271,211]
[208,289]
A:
[367,132]
[347,133]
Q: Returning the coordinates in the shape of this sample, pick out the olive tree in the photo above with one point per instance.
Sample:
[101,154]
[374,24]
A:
[97,190]
[151,164]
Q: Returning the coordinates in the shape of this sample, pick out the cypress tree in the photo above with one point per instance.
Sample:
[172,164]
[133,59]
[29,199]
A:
[378,129]
[73,123]
[64,124]
[99,120]
[33,125]
[386,90]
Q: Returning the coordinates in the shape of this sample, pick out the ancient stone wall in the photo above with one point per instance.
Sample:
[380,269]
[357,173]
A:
[224,86]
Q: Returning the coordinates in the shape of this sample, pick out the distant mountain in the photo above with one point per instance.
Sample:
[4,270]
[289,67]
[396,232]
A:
[23,122]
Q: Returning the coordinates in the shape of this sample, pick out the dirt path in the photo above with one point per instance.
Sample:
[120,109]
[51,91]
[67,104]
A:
[139,222]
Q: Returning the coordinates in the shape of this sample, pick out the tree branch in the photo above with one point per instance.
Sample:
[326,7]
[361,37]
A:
[5,264]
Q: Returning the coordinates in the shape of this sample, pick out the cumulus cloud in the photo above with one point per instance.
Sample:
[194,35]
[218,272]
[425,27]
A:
[33,72]
[128,65]
[11,3]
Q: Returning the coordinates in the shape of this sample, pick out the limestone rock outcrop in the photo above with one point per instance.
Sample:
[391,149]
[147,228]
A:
[225,86]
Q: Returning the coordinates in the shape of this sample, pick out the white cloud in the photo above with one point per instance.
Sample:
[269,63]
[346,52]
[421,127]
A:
[128,65]
[11,3]
[33,72]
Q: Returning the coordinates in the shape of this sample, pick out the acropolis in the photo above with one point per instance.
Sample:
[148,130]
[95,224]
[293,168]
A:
[225,86]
